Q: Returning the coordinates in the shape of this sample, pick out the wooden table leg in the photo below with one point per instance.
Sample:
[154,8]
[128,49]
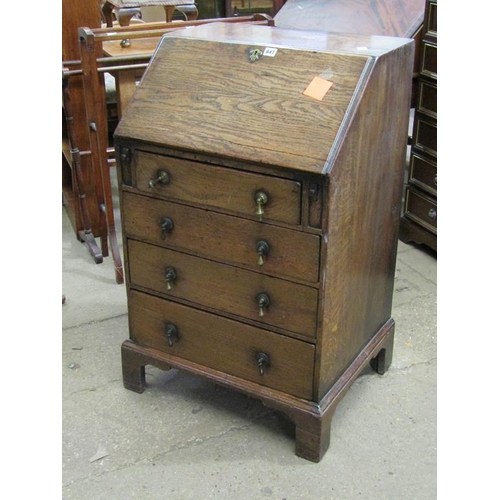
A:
[126,14]
[169,12]
[107,11]
[190,12]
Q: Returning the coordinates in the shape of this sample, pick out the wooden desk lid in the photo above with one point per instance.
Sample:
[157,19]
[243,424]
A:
[201,92]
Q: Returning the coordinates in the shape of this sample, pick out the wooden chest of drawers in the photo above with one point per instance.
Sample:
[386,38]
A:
[419,221]
[260,223]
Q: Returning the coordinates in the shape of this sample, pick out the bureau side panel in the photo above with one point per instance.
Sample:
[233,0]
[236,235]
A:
[364,200]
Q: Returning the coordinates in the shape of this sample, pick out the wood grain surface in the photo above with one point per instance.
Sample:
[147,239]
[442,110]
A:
[225,288]
[229,190]
[241,109]
[292,254]
[223,344]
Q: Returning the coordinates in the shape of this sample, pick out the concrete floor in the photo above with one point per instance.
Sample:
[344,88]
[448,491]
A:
[185,438]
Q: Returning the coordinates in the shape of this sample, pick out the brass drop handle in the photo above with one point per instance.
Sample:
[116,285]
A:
[166,224]
[261,200]
[432,214]
[262,251]
[162,178]
[263,301]
[170,276]
[263,361]
[172,334]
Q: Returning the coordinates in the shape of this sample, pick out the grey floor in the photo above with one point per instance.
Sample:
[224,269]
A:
[185,438]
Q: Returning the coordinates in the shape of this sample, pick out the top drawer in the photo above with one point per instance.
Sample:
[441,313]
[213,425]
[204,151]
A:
[431,19]
[256,196]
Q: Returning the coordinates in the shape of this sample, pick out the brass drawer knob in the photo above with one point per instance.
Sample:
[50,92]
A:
[262,251]
[263,361]
[263,301]
[166,224]
[432,214]
[261,200]
[172,334]
[170,276]
[162,178]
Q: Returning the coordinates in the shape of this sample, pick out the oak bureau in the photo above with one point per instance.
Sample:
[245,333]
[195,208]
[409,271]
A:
[261,173]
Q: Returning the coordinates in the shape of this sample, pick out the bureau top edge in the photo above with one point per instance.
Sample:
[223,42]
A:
[292,39]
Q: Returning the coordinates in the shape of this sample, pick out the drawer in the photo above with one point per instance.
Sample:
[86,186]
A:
[425,135]
[427,98]
[262,247]
[431,19]
[225,288]
[429,59]
[222,188]
[222,344]
[423,173]
[421,209]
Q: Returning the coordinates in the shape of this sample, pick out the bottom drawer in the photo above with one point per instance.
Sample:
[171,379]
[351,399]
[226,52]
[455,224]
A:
[421,209]
[222,344]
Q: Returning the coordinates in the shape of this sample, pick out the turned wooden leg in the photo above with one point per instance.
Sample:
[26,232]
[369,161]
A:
[133,369]
[190,12]
[169,12]
[381,362]
[107,10]
[126,14]
[312,434]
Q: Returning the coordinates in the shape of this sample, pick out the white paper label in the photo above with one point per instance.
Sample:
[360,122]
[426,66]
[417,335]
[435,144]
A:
[271,52]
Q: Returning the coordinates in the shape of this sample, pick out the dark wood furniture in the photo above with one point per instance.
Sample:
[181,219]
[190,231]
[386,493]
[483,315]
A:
[248,7]
[124,10]
[86,185]
[419,220]
[74,13]
[132,7]
[259,223]
[403,18]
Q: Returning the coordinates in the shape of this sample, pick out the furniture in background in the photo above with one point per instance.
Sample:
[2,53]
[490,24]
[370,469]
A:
[248,7]
[401,18]
[128,8]
[82,184]
[125,10]
[259,256]
[419,220]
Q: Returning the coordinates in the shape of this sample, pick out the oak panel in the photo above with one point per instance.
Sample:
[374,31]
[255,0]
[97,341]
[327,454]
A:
[223,344]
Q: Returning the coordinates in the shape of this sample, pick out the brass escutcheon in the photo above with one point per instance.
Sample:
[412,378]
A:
[255,54]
